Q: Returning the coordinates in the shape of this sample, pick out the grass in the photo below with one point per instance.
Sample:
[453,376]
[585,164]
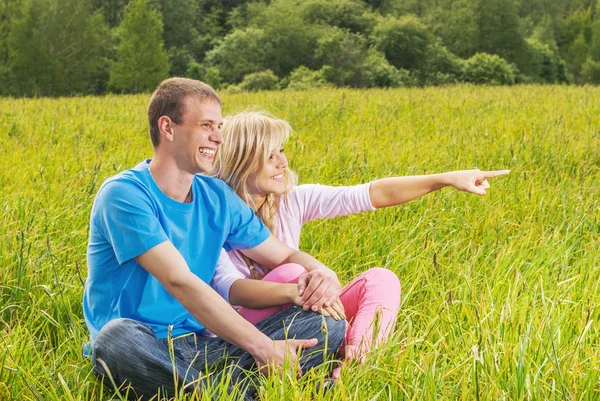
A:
[500,294]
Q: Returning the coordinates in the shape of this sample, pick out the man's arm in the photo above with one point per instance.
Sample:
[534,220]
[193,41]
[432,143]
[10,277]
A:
[320,287]
[397,190]
[167,265]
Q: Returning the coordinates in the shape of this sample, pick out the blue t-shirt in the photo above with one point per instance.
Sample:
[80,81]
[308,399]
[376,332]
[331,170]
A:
[130,216]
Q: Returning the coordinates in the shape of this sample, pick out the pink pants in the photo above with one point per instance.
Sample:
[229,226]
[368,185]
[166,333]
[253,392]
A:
[371,303]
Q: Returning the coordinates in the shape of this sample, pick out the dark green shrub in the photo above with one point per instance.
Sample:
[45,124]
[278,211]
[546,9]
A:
[488,69]
[259,81]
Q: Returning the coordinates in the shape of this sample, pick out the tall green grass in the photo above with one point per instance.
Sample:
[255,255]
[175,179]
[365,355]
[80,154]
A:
[500,294]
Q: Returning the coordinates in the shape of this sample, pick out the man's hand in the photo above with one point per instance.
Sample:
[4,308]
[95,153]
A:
[273,360]
[318,288]
[474,181]
[336,310]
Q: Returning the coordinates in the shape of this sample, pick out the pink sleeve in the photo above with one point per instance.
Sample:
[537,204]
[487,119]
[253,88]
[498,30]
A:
[315,201]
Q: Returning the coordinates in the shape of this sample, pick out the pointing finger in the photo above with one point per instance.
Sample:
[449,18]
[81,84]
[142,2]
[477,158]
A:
[492,174]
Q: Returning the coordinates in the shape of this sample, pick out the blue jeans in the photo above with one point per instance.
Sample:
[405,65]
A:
[129,352]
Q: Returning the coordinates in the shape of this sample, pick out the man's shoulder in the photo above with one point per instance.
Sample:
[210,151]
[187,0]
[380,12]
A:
[213,184]
[127,183]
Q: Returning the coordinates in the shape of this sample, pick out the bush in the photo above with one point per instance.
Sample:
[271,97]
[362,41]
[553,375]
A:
[590,72]
[488,69]
[344,53]
[403,41]
[347,14]
[544,65]
[440,66]
[240,53]
[384,75]
[303,78]
[259,81]
[209,75]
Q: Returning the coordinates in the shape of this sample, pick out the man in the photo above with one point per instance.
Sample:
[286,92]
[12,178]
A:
[156,232]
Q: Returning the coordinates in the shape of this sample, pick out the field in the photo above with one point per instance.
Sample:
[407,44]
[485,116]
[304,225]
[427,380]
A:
[500,295]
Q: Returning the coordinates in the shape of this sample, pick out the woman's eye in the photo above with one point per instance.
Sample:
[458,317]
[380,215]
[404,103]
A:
[282,150]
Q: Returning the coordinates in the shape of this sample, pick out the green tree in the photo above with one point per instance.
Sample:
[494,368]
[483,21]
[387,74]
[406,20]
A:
[111,10]
[259,81]
[349,14]
[242,52]
[404,41]
[590,72]
[488,69]
[141,59]
[343,53]
[56,48]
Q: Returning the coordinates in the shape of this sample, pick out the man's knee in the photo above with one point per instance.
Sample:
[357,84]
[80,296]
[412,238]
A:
[115,341]
[336,331]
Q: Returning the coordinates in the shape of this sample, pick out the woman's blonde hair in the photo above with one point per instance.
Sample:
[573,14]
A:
[249,137]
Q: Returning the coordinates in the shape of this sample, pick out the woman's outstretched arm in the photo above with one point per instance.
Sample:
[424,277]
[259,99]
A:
[397,190]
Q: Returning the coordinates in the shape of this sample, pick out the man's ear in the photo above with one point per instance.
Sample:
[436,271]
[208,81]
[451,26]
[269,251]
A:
[165,126]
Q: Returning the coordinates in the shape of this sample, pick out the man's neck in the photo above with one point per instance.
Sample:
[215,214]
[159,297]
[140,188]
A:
[172,181]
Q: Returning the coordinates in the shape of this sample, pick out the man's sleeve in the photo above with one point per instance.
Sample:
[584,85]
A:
[246,230]
[125,216]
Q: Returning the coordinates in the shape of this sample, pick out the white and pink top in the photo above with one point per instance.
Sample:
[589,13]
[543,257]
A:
[301,205]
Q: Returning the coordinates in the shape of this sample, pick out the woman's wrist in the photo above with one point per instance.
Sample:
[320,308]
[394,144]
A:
[291,293]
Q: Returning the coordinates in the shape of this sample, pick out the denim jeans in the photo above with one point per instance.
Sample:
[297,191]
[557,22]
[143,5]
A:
[128,352]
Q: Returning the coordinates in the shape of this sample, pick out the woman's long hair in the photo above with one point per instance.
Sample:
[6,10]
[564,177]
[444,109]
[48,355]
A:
[249,137]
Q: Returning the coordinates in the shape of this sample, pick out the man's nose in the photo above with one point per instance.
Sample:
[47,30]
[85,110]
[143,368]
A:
[216,136]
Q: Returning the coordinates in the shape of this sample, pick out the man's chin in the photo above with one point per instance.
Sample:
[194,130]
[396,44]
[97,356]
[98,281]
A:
[204,168]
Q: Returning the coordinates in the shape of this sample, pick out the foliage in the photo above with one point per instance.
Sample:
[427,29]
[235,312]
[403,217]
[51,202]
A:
[544,64]
[50,52]
[403,41]
[347,14]
[68,47]
[303,78]
[488,69]
[343,53]
[259,81]
[141,59]
[590,72]
[240,53]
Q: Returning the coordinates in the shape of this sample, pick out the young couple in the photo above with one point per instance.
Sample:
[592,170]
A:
[155,263]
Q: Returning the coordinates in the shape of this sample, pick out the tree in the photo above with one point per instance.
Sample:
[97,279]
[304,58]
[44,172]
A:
[141,59]
[404,41]
[56,48]
[240,53]
[259,81]
[344,54]
[349,14]
[488,69]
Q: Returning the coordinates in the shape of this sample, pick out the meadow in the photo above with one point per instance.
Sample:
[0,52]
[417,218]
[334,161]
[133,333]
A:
[500,294]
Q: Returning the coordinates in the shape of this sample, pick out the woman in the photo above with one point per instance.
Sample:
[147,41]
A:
[251,160]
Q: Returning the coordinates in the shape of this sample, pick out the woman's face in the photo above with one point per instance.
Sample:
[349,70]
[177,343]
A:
[270,179]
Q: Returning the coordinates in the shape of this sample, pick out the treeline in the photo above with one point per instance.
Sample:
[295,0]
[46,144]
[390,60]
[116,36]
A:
[66,47]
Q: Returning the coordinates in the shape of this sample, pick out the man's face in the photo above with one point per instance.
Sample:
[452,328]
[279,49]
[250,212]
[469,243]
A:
[197,138]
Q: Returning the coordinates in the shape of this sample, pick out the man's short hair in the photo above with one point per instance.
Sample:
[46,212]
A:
[167,100]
